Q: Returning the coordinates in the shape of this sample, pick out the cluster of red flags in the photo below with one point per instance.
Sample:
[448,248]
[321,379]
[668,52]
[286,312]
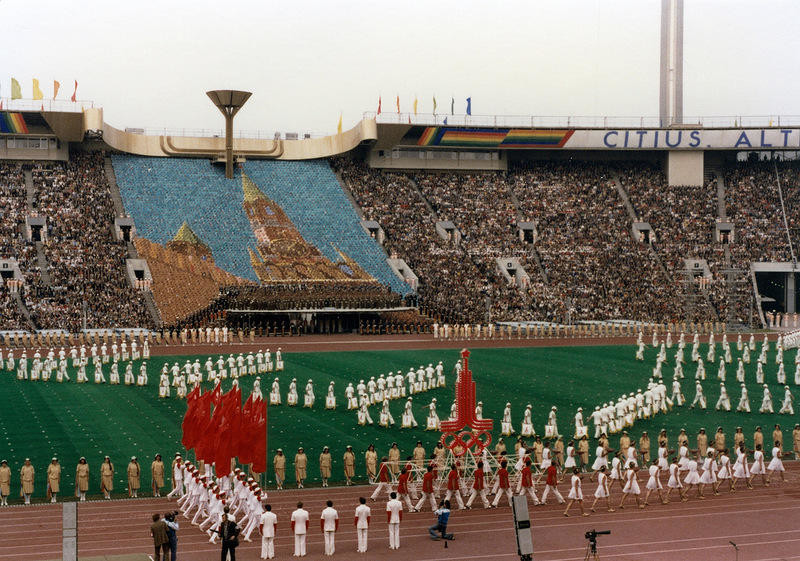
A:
[219,428]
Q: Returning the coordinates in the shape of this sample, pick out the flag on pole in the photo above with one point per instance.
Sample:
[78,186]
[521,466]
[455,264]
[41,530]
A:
[37,92]
[379,105]
[415,105]
[16,90]
[452,105]
[339,126]
[434,105]
[56,86]
[398,104]
[75,92]
[469,106]
[445,120]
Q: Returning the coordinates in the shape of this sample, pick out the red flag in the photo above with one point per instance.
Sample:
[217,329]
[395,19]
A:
[227,431]
[260,438]
[244,449]
[204,424]
[75,92]
[398,104]
[379,105]
[1,104]
[192,403]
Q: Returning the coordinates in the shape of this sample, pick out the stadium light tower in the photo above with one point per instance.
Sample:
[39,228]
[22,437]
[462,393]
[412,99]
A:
[670,102]
[229,102]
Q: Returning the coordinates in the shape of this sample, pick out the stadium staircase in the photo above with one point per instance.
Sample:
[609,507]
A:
[44,267]
[23,309]
[111,177]
[30,191]
[533,253]
[152,308]
[422,197]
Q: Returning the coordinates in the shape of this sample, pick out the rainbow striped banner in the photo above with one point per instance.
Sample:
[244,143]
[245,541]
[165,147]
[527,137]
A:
[494,138]
[13,123]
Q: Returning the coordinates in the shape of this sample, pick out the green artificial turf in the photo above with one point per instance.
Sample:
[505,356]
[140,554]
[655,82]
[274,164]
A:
[39,420]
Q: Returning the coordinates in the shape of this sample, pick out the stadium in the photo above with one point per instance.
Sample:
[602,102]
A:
[306,317]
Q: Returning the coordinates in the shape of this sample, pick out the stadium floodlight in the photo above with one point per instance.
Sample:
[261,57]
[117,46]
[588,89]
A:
[229,102]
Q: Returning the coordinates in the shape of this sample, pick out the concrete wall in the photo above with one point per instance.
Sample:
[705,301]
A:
[437,160]
[685,168]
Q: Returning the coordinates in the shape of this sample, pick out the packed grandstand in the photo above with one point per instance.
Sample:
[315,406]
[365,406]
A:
[285,237]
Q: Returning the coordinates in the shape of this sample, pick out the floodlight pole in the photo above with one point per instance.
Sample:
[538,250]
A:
[229,102]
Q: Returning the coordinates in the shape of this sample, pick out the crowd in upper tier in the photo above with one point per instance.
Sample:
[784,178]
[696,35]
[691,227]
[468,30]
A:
[581,260]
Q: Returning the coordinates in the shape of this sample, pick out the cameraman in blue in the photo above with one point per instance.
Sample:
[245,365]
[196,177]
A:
[442,517]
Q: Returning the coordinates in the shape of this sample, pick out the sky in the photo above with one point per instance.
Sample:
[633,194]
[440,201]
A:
[149,63]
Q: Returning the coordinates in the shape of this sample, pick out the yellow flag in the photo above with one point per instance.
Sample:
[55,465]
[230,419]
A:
[37,92]
[415,106]
[16,91]
[56,85]
[339,126]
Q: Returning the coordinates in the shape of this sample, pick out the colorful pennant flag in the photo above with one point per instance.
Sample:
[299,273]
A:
[452,105]
[339,126]
[379,105]
[37,91]
[415,105]
[16,90]
[398,104]
[75,92]
[56,86]
[434,105]
[469,106]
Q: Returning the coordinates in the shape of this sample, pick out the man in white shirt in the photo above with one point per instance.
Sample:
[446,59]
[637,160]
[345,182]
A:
[269,521]
[329,523]
[362,520]
[300,527]
[394,514]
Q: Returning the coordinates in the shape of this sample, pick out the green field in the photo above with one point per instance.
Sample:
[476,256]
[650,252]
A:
[39,420]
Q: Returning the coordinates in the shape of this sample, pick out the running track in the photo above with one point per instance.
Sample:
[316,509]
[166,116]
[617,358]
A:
[764,522]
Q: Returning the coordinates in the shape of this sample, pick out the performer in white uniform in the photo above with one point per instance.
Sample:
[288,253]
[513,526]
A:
[527,422]
[740,469]
[692,478]
[330,397]
[724,402]
[675,480]
[766,401]
[654,483]
[776,464]
[602,491]
[744,401]
[408,420]
[709,475]
[786,406]
[759,468]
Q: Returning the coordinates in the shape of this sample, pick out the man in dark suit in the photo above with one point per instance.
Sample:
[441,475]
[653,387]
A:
[229,535]
[158,529]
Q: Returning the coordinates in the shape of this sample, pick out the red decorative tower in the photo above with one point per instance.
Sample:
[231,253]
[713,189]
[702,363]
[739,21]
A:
[465,432]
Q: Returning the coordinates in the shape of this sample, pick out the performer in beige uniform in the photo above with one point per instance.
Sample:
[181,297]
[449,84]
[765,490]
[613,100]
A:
[134,473]
[82,479]
[26,477]
[5,482]
[300,465]
[157,475]
[349,460]
[53,479]
[107,477]
[371,459]
[279,465]
[325,463]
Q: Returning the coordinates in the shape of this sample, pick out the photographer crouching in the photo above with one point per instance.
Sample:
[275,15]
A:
[442,517]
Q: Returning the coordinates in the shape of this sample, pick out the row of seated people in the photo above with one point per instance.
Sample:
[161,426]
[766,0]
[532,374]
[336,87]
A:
[343,295]
[86,264]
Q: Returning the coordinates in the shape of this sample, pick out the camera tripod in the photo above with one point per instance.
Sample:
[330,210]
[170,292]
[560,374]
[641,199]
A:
[591,551]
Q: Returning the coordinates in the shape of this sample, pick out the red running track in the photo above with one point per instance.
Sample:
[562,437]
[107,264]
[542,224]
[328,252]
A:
[764,522]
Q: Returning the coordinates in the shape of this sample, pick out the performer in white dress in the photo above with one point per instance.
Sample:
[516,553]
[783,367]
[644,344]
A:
[766,401]
[724,473]
[781,374]
[786,405]
[350,395]
[654,483]
[575,493]
[546,456]
[363,411]
[385,418]
[740,469]
[692,478]
[776,464]
[674,481]
[709,475]
[631,486]
[759,468]
[683,457]
[744,401]
[506,428]
[759,373]
[330,397]
[408,420]
[308,397]
[724,402]
[602,491]
[600,458]
[570,463]
[663,464]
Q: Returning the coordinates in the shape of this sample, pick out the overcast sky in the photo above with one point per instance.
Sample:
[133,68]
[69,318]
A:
[148,63]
